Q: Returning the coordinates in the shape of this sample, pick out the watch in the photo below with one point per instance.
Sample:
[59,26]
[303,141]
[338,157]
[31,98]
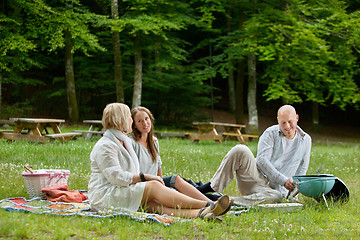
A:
[142,177]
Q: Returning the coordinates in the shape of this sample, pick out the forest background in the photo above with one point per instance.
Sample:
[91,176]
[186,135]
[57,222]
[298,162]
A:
[69,58]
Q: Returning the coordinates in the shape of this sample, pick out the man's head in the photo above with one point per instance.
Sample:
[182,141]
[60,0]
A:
[287,119]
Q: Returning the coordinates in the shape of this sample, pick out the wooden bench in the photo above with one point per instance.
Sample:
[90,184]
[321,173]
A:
[5,130]
[37,130]
[211,131]
[86,132]
[10,136]
[95,128]
[169,134]
[196,137]
[63,136]
[243,137]
[6,123]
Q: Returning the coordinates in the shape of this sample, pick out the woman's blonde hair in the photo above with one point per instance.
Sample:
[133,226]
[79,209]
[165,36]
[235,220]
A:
[116,115]
[136,134]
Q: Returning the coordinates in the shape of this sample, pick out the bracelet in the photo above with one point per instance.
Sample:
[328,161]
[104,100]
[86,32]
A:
[142,177]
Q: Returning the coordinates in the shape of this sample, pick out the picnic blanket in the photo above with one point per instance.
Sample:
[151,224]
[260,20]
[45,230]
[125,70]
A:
[39,206]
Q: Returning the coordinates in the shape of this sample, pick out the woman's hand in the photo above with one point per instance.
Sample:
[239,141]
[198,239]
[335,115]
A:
[150,177]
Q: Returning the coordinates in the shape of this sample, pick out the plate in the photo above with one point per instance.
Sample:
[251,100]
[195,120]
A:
[281,207]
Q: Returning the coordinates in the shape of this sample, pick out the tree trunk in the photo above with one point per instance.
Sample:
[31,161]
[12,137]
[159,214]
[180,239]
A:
[231,86]
[137,75]
[231,82]
[253,115]
[70,81]
[118,76]
[0,91]
[240,79]
[315,114]
[239,114]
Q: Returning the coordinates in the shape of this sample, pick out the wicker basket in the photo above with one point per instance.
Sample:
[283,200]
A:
[43,178]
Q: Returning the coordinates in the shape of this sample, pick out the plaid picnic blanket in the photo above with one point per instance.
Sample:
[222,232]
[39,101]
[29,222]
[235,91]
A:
[39,206]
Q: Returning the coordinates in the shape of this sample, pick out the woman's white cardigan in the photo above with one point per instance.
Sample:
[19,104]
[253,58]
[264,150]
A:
[110,181]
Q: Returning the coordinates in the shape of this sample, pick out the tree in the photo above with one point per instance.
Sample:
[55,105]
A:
[232,55]
[297,51]
[118,76]
[150,21]
[231,78]
[70,80]
[308,52]
[137,73]
[67,26]
[251,99]
[15,44]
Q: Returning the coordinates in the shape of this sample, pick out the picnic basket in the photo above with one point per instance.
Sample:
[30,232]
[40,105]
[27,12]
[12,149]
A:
[43,178]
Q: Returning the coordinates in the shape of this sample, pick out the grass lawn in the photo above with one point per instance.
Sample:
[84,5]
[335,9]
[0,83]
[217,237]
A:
[198,162]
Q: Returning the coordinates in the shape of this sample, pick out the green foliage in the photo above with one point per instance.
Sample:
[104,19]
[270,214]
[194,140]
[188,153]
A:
[64,18]
[147,17]
[43,27]
[169,97]
[21,109]
[322,36]
[208,9]
[14,47]
[306,51]
[166,73]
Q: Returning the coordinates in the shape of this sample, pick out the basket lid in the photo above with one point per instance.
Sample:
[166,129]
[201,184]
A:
[45,172]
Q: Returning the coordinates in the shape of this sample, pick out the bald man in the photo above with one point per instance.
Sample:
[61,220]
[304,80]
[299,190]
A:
[283,152]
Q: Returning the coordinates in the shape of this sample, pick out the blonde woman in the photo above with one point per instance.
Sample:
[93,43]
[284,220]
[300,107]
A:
[116,181]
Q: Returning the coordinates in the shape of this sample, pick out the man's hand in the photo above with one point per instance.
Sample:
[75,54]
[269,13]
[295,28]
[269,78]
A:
[289,184]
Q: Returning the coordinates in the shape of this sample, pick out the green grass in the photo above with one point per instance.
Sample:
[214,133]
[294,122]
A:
[198,162]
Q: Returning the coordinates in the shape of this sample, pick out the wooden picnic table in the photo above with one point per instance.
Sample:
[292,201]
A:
[37,130]
[95,128]
[208,131]
[6,123]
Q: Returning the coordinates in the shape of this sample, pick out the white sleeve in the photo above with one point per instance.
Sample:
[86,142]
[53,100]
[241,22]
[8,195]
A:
[264,154]
[303,167]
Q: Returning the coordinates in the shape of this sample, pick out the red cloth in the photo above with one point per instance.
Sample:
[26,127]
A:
[61,193]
